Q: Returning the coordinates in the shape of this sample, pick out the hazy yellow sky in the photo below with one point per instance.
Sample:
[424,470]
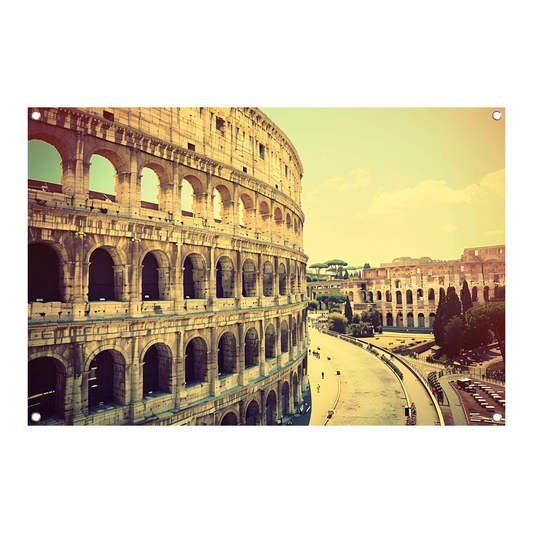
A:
[381,183]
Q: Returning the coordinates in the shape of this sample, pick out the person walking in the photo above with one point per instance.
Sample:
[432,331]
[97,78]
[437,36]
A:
[322,375]
[318,388]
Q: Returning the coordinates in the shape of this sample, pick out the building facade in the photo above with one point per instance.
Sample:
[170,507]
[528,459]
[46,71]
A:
[143,313]
[407,292]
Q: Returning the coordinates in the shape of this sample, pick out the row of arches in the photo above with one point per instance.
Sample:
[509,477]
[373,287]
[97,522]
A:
[49,275]
[105,379]
[371,297]
[136,180]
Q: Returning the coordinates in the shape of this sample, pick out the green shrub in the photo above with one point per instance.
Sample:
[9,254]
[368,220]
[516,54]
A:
[337,322]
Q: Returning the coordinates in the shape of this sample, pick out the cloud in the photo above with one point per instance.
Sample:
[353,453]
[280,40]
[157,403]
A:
[449,228]
[494,232]
[312,197]
[427,193]
[360,178]
[495,182]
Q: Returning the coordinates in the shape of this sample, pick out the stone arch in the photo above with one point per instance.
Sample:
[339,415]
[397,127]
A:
[350,296]
[431,319]
[285,389]
[282,279]
[249,279]
[63,141]
[252,417]
[199,190]
[421,320]
[156,361]
[284,337]
[225,277]
[388,296]
[409,297]
[474,294]
[390,319]
[101,285]
[155,275]
[420,294]
[268,279]
[264,214]
[225,204]
[486,294]
[164,184]
[227,353]
[47,374]
[399,319]
[45,273]
[398,298]
[251,347]
[270,341]
[271,408]
[410,320]
[106,381]
[278,222]
[431,295]
[229,418]
[194,276]
[196,361]
[370,296]
[246,206]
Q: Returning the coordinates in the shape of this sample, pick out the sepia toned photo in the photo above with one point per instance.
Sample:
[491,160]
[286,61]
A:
[261,266]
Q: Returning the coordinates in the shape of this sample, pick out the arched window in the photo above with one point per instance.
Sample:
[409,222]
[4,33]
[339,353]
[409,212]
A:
[284,399]
[150,278]
[43,274]
[194,277]
[398,297]
[46,384]
[421,320]
[187,199]
[270,342]
[225,278]
[420,294]
[252,414]
[44,162]
[101,276]
[229,420]
[379,296]
[410,320]
[284,338]
[195,361]
[249,288]
[486,294]
[271,408]
[101,379]
[151,372]
[409,297]
[431,294]
[474,294]
[282,279]
[102,177]
[227,354]
[149,189]
[251,348]
[268,279]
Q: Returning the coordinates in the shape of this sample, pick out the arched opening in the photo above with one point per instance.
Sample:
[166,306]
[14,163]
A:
[264,213]
[46,387]
[251,348]
[101,379]
[246,212]
[350,296]
[421,320]
[271,408]
[101,276]
[44,162]
[227,354]
[284,337]
[187,199]
[270,342]
[370,296]
[43,274]
[474,294]
[278,221]
[399,320]
[268,279]
[409,297]
[102,177]
[295,389]
[284,399]
[431,295]
[410,320]
[225,278]
[222,209]
[194,277]
[486,294]
[150,278]
[149,188]
[249,288]
[282,279]
[398,298]
[195,361]
[420,294]
[379,296]
[157,369]
[431,319]
[390,319]
[252,414]
[229,420]
[442,293]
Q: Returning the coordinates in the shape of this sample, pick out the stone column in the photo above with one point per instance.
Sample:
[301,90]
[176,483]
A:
[238,280]
[212,363]
[78,297]
[135,281]
[76,416]
[212,285]
[262,370]
[135,373]
[240,352]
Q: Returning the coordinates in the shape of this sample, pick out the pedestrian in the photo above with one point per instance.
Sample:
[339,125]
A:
[322,375]
[318,388]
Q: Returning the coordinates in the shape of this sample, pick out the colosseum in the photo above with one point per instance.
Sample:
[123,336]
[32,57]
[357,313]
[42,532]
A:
[407,291]
[144,313]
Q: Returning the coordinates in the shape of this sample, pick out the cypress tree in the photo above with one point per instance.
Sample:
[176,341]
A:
[348,311]
[466,298]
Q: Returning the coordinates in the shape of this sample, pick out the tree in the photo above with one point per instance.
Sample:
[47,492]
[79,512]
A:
[319,267]
[336,263]
[466,298]
[367,266]
[491,316]
[448,307]
[348,311]
[454,333]
[337,323]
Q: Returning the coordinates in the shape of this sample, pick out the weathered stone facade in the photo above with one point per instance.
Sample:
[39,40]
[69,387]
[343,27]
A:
[408,295]
[140,313]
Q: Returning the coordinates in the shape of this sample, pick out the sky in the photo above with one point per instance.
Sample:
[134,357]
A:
[381,183]
[378,183]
